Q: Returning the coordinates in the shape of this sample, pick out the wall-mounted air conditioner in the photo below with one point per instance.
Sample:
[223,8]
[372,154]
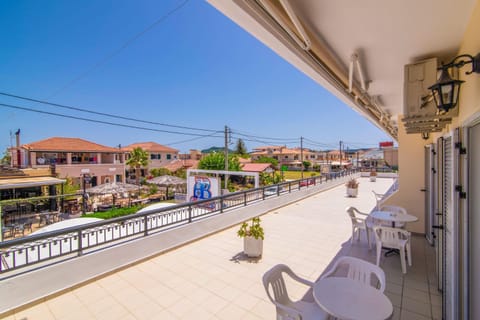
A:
[419,109]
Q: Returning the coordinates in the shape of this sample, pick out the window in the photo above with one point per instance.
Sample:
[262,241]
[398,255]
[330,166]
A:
[154,156]
[169,156]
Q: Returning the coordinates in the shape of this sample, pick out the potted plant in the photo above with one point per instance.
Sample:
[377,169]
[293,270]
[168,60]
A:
[253,236]
[373,175]
[352,187]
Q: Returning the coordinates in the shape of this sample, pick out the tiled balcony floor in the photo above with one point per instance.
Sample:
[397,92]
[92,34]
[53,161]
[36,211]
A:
[210,278]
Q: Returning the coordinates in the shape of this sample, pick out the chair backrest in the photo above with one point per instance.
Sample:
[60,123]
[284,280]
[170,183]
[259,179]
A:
[352,212]
[378,198]
[274,278]
[359,270]
[388,236]
[395,209]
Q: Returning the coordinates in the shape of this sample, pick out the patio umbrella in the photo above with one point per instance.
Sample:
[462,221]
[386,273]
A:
[167,181]
[113,188]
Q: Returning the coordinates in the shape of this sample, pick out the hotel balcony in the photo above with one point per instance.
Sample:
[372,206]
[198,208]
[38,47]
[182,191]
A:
[198,271]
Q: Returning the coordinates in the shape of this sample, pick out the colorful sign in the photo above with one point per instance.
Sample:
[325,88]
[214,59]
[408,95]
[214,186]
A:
[201,188]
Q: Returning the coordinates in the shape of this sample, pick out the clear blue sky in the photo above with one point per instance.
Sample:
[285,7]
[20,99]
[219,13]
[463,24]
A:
[195,68]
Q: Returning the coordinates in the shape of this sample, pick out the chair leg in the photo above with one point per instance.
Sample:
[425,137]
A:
[368,238]
[402,260]
[379,253]
[409,254]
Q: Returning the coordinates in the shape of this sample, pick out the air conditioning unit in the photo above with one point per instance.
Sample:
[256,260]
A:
[418,77]
[420,112]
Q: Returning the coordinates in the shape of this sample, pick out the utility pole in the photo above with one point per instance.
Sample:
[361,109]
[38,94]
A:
[301,153]
[226,156]
[340,155]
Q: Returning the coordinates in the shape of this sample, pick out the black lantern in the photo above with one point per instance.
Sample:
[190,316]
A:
[446,90]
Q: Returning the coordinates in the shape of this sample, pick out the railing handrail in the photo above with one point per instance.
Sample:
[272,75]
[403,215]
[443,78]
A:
[220,203]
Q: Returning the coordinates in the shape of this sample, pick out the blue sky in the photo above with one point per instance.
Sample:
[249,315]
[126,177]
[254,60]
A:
[195,68]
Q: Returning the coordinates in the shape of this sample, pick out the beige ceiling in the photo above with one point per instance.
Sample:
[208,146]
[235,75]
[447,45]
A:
[385,34]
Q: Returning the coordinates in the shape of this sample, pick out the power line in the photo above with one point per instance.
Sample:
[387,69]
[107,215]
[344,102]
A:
[265,138]
[101,113]
[100,121]
[197,138]
[120,49]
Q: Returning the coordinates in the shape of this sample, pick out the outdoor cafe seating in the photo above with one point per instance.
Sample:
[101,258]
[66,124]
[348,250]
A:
[351,289]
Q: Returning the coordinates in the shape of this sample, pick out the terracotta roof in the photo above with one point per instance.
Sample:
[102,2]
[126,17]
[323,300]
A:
[179,164]
[243,160]
[62,144]
[150,147]
[255,167]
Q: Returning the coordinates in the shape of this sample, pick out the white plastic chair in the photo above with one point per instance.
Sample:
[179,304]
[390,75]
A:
[359,270]
[378,199]
[393,238]
[360,223]
[274,283]
[397,210]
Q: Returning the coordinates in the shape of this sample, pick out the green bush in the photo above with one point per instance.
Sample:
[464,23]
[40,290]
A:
[114,213]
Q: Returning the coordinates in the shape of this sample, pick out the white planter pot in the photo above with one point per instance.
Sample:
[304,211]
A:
[252,247]
[373,178]
[352,192]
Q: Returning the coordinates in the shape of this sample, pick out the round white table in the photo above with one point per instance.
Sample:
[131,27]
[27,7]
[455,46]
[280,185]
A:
[345,298]
[393,217]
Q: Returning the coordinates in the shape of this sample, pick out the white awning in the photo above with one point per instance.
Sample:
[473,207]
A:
[28,182]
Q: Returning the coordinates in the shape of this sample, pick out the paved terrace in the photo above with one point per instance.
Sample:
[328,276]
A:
[209,278]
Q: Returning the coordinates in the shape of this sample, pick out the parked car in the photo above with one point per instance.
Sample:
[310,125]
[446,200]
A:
[270,191]
[307,182]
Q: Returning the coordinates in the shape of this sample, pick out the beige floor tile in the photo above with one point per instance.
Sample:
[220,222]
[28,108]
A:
[420,296]
[416,306]
[39,311]
[214,304]
[64,305]
[407,315]
[396,299]
[231,312]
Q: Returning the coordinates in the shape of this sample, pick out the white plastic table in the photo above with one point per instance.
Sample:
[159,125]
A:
[393,217]
[345,298]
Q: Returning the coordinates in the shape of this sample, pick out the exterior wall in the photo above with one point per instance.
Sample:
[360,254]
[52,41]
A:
[391,156]
[96,170]
[410,178]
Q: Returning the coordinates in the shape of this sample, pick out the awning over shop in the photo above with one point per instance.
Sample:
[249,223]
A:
[29,182]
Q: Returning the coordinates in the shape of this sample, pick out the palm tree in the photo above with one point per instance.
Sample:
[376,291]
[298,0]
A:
[138,158]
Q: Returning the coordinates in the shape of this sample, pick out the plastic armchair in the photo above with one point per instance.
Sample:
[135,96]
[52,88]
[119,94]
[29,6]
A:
[360,223]
[397,210]
[359,270]
[274,282]
[394,238]
[378,199]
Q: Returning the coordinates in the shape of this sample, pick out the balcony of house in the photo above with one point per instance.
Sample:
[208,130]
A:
[198,271]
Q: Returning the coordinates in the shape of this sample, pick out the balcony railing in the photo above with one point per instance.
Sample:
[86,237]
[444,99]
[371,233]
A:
[78,240]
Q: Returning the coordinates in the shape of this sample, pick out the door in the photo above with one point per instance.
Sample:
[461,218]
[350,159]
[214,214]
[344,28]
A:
[473,210]
[438,218]
[450,229]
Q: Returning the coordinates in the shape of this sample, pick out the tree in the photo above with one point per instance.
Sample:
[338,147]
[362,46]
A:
[138,158]
[306,165]
[264,159]
[240,148]
[6,158]
[156,172]
[216,161]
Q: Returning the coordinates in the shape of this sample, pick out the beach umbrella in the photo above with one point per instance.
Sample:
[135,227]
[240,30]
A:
[113,188]
[167,181]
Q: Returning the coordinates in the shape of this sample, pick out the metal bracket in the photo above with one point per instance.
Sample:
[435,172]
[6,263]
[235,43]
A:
[459,145]
[462,194]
